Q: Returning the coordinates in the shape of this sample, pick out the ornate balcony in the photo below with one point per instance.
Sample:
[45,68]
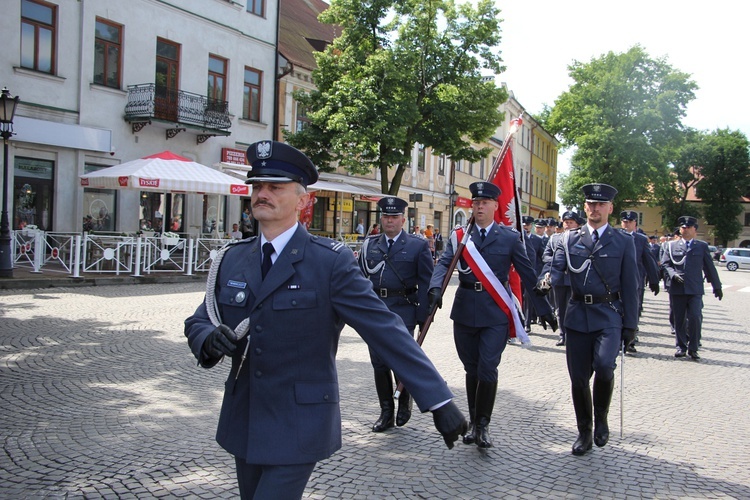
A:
[176,111]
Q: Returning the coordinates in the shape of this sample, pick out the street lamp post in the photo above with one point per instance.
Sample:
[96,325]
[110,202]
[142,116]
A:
[7,110]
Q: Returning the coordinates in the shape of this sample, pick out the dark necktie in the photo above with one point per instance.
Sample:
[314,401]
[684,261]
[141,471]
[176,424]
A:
[596,237]
[689,244]
[390,244]
[267,263]
[482,234]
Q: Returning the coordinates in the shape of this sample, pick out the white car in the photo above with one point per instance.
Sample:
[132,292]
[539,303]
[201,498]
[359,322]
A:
[735,257]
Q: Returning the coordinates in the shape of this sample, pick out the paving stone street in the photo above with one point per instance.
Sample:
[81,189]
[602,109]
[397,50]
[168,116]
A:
[101,397]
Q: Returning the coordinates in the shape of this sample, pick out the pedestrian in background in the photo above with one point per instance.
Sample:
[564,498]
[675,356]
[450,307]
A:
[277,309]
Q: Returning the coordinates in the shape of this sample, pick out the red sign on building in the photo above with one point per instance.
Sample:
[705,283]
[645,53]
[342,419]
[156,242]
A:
[230,155]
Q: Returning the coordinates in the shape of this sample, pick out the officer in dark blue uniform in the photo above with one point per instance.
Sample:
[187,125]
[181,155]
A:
[602,313]
[534,249]
[480,327]
[648,269]
[686,261]
[559,281]
[400,267]
[276,305]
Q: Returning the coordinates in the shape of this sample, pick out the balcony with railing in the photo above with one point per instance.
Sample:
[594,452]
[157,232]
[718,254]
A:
[176,111]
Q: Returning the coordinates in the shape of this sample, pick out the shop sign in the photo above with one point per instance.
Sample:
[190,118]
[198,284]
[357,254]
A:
[463,202]
[335,205]
[231,155]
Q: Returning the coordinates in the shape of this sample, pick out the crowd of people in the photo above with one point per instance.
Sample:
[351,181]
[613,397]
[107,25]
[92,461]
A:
[580,274]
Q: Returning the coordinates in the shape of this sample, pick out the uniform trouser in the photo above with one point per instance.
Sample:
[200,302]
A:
[562,297]
[688,318]
[480,349]
[643,293]
[528,307]
[592,352]
[282,482]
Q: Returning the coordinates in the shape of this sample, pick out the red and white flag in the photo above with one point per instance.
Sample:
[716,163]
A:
[507,214]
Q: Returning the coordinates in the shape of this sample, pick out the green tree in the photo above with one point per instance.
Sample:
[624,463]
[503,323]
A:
[721,161]
[402,72]
[623,115]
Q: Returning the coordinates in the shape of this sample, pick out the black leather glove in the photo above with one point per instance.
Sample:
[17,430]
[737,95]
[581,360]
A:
[628,336]
[450,422]
[551,320]
[434,297]
[220,342]
[654,288]
[718,293]
[541,291]
[678,279]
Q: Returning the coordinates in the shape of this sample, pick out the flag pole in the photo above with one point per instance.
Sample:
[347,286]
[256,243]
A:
[514,126]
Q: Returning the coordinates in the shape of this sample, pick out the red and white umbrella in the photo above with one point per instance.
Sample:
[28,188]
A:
[165,172]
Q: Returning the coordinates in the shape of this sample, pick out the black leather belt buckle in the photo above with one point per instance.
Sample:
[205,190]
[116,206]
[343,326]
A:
[478,287]
[383,293]
[588,299]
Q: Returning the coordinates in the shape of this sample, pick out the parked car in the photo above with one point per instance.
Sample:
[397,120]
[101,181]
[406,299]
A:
[713,249]
[735,257]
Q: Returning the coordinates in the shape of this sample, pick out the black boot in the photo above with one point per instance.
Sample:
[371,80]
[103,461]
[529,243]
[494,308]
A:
[471,396]
[582,405]
[485,404]
[384,388]
[602,397]
[404,408]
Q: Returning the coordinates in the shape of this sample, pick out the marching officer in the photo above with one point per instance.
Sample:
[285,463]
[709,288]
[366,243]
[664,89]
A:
[275,304]
[559,281]
[534,249]
[400,267]
[480,326]
[647,267]
[602,312]
[686,261]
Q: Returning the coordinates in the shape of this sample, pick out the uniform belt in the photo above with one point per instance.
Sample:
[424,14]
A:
[596,299]
[394,292]
[477,286]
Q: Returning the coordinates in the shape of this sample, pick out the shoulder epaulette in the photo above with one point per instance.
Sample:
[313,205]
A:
[328,243]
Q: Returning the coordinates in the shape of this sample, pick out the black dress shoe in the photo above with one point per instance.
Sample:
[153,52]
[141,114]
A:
[631,348]
[694,355]
[679,354]
[560,342]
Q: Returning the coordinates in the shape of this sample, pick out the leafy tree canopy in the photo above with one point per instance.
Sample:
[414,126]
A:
[623,114]
[402,72]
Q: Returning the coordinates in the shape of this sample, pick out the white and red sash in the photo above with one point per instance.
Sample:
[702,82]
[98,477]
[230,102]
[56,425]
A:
[497,291]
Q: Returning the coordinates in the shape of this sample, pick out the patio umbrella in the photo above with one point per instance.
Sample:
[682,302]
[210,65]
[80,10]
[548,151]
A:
[165,172]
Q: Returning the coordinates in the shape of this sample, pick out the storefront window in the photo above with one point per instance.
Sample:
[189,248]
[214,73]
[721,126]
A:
[214,215]
[319,214]
[162,212]
[32,193]
[99,206]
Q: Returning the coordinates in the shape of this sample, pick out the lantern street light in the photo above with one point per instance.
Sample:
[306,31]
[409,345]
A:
[7,110]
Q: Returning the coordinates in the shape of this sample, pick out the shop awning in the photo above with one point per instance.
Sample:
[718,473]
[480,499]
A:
[343,187]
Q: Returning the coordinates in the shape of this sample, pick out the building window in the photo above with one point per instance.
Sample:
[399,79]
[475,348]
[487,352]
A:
[99,205]
[640,218]
[251,98]
[457,165]
[38,33]
[33,191]
[421,159]
[747,218]
[319,213]
[217,78]
[107,53]
[257,7]
[481,168]
[441,165]
[302,121]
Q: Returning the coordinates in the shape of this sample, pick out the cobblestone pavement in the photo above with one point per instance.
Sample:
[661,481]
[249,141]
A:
[101,397]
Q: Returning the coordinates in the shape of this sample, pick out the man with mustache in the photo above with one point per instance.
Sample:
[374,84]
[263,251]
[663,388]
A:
[277,308]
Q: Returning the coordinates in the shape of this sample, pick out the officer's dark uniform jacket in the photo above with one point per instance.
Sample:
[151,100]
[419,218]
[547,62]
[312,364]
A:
[613,248]
[647,266]
[558,277]
[284,406]
[691,264]
[411,260]
[501,248]
[538,244]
